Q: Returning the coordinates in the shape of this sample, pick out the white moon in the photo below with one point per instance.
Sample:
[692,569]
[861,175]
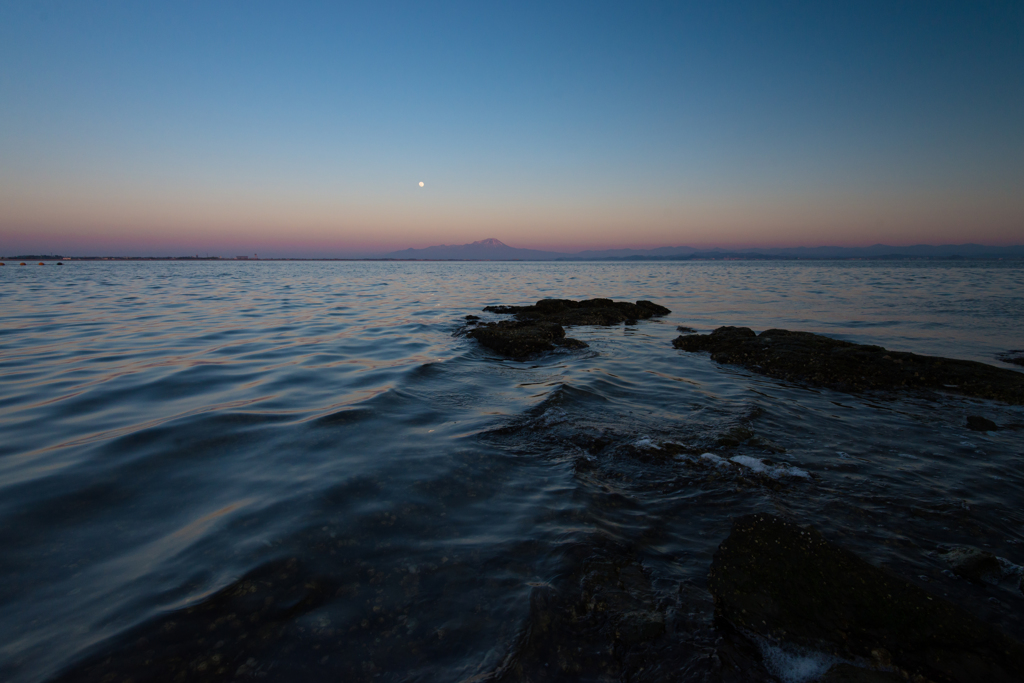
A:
[421,183]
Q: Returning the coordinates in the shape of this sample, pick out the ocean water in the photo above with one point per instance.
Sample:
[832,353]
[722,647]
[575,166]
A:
[318,435]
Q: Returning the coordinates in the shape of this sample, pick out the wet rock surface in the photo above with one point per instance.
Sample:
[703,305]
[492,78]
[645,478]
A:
[974,564]
[539,327]
[519,338]
[775,580]
[981,424]
[845,366]
[587,312]
[234,634]
[1015,357]
[601,622]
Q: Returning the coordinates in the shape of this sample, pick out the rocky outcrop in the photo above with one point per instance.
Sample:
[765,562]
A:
[788,585]
[520,338]
[845,366]
[539,328]
[588,312]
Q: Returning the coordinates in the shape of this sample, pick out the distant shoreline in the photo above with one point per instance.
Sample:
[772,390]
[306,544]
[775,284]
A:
[606,259]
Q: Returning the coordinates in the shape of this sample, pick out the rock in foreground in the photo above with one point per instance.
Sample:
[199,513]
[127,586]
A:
[845,366]
[599,625]
[788,584]
[539,327]
[518,338]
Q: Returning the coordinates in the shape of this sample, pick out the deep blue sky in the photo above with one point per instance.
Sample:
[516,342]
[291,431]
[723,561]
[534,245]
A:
[305,128]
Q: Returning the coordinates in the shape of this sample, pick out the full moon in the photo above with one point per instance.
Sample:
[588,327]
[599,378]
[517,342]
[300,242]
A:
[421,183]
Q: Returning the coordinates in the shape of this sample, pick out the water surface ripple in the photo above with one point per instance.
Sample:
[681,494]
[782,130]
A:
[315,434]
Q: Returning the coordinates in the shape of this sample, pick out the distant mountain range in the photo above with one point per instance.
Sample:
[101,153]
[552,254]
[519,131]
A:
[496,250]
[484,250]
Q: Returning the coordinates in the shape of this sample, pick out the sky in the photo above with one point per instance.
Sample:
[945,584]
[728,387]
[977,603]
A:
[304,128]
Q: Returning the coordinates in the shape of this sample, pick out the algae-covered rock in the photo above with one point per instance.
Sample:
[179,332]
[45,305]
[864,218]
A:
[845,366]
[786,583]
[539,328]
[517,338]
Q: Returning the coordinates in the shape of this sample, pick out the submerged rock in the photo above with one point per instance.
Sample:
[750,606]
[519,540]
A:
[539,327]
[1015,357]
[595,626]
[981,424]
[775,580]
[845,366]
[235,634]
[974,564]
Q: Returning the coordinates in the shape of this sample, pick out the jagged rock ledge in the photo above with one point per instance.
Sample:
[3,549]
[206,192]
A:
[539,327]
[775,580]
[845,366]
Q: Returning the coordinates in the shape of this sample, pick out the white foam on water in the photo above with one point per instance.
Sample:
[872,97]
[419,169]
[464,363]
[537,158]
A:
[1009,568]
[646,442]
[716,460]
[772,471]
[552,416]
[795,472]
[795,666]
[752,463]
[907,455]
[843,454]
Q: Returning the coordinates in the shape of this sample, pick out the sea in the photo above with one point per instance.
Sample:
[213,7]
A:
[320,435]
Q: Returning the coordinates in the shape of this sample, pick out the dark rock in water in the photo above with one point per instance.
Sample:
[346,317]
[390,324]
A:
[471,318]
[980,424]
[777,580]
[539,327]
[1015,357]
[588,312]
[845,366]
[974,564]
[222,638]
[519,338]
[847,673]
[591,628]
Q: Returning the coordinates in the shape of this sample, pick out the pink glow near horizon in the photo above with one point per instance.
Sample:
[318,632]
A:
[161,226]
